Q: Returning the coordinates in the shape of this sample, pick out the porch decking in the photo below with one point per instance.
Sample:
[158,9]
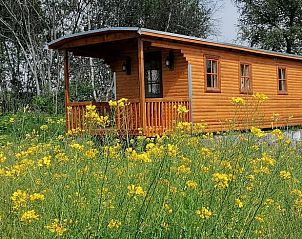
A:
[161,116]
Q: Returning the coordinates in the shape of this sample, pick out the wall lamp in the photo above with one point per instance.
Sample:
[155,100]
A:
[170,60]
[126,67]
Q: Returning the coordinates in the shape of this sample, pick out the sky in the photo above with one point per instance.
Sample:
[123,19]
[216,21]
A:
[227,16]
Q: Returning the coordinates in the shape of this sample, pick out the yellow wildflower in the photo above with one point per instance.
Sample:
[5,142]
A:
[199,127]
[19,199]
[268,202]
[238,203]
[165,226]
[184,126]
[77,146]
[168,208]
[135,191]
[172,189]
[183,169]
[205,151]
[221,180]
[257,132]
[181,109]
[29,216]
[91,153]
[191,184]
[2,158]
[278,134]
[122,102]
[112,103]
[172,150]
[204,213]
[114,224]
[44,127]
[260,218]
[45,161]
[36,197]
[238,101]
[56,227]
[260,97]
[285,175]
[12,120]
[204,169]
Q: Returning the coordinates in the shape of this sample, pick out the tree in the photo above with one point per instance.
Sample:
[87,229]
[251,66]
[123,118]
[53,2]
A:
[31,73]
[271,24]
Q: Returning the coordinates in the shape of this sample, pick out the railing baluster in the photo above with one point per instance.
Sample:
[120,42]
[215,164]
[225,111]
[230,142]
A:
[161,115]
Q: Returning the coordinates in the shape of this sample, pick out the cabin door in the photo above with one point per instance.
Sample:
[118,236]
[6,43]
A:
[153,75]
[153,89]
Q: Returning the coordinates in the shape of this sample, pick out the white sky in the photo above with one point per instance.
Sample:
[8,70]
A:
[227,17]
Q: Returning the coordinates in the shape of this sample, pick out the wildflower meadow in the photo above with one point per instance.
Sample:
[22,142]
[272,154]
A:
[180,185]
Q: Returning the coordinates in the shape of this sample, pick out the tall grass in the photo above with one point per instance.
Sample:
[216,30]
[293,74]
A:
[233,185]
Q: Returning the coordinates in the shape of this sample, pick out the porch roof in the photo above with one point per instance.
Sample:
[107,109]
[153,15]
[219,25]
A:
[113,34]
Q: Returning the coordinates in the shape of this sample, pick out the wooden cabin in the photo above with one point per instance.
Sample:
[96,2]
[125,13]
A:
[158,70]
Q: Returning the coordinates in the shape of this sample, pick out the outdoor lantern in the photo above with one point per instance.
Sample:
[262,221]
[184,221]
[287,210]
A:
[126,67]
[170,60]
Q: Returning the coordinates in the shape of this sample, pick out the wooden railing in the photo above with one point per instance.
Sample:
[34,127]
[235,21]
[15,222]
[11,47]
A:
[76,113]
[121,118]
[161,115]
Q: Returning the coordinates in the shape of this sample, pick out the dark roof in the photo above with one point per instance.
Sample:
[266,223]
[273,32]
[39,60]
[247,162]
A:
[171,36]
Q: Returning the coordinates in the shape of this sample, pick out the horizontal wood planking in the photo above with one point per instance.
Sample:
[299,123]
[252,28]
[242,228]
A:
[215,108]
[175,82]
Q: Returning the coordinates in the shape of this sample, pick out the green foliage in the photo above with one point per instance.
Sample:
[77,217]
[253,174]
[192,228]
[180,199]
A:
[16,126]
[55,185]
[47,103]
[27,69]
[272,24]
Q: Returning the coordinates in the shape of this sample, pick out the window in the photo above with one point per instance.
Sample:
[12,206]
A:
[282,83]
[245,78]
[212,75]
[153,75]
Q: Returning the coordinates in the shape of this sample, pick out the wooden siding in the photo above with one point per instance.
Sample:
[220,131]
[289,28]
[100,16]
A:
[175,82]
[216,110]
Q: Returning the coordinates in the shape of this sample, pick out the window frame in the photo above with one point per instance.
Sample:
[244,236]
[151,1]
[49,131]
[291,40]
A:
[250,91]
[282,92]
[149,55]
[212,89]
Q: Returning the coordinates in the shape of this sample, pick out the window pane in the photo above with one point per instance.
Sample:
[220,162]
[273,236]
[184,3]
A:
[242,84]
[282,85]
[247,84]
[215,82]
[241,70]
[155,76]
[149,88]
[214,67]
[281,73]
[208,66]
[247,70]
[209,82]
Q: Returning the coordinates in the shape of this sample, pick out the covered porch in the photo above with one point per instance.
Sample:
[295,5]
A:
[154,79]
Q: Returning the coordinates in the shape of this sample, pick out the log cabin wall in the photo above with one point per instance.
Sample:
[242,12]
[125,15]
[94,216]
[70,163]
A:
[215,108]
[175,82]
[127,86]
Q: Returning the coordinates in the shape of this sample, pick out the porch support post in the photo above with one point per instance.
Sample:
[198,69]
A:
[141,78]
[66,86]
[190,90]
